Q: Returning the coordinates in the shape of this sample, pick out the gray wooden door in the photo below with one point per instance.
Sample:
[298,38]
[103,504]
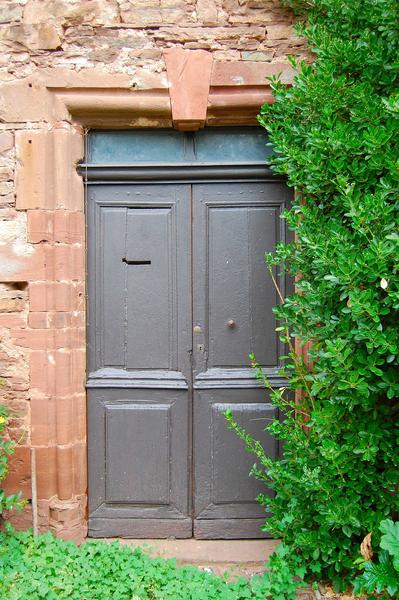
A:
[178,297]
[139,400]
[234,224]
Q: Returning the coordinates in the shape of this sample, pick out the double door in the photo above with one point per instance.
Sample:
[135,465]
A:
[178,297]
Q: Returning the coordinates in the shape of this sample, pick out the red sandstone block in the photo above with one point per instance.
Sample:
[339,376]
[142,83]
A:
[45,175]
[40,226]
[188,91]
[61,319]
[80,295]
[42,372]
[64,420]
[76,534]
[60,420]
[26,264]
[58,373]
[239,73]
[38,320]
[55,320]
[46,467]
[79,417]
[50,339]
[64,262]
[79,455]
[43,510]
[21,520]
[55,226]
[77,318]
[58,296]
[69,226]
[13,320]
[19,406]
[64,472]
[19,475]
[58,320]
[18,435]
[43,420]
[66,514]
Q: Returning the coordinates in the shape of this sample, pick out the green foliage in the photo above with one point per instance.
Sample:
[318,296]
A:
[49,568]
[382,577]
[335,135]
[6,449]
[284,575]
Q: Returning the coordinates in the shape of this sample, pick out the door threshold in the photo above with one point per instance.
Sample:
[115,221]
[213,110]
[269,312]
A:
[207,552]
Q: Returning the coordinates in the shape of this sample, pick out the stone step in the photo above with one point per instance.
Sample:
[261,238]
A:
[208,552]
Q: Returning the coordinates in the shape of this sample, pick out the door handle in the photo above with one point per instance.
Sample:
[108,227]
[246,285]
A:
[136,262]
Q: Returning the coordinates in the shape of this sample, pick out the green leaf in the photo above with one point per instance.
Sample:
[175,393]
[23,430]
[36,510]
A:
[390,537]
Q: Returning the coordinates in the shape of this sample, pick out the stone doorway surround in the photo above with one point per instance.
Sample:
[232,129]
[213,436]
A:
[59,106]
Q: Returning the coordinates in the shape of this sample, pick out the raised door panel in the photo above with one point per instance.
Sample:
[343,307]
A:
[228,492]
[137,453]
[239,290]
[139,456]
[109,327]
[150,291]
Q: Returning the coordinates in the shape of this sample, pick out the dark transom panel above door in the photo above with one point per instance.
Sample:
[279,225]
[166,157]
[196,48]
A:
[178,297]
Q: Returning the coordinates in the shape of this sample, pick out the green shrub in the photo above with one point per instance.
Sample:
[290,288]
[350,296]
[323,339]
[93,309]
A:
[382,577]
[335,134]
[6,449]
[47,567]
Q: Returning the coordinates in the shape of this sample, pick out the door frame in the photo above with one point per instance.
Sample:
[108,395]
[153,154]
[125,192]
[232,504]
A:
[142,175]
[63,109]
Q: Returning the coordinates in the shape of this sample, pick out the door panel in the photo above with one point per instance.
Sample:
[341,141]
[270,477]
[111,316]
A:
[139,459]
[222,468]
[233,225]
[110,323]
[139,361]
[133,433]
[149,289]
[238,285]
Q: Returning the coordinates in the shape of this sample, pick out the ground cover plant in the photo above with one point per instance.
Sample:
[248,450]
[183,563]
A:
[381,575]
[335,134]
[48,568]
[7,502]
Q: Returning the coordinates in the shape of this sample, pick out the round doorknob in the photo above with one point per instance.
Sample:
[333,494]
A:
[231,324]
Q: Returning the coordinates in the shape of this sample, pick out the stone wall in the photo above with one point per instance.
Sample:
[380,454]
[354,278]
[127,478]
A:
[124,36]
[66,65]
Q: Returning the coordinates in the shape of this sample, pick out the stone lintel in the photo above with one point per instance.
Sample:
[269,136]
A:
[239,88]
[117,108]
[232,106]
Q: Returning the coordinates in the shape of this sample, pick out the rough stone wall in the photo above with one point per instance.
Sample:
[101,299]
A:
[117,44]
[122,36]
